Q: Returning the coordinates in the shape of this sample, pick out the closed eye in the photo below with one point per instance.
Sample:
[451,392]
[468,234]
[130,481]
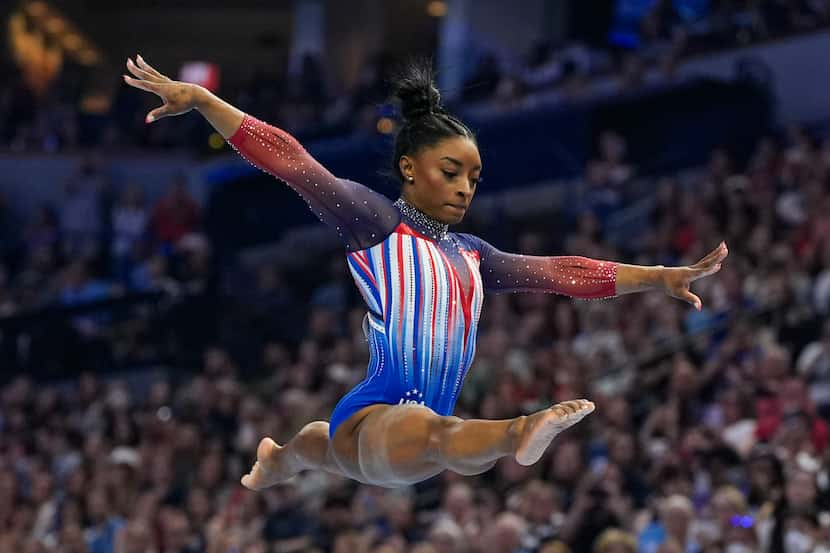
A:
[450,176]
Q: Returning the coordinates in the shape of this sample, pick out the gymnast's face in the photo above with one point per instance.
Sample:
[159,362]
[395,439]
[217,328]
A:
[443,178]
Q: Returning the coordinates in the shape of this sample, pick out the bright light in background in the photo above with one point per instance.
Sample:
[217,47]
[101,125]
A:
[89,57]
[437,8]
[38,60]
[97,103]
[202,73]
[55,25]
[41,39]
[72,42]
[36,8]
[385,125]
[28,42]
[216,141]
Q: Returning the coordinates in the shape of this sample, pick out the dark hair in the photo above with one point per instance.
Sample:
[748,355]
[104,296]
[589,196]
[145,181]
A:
[424,121]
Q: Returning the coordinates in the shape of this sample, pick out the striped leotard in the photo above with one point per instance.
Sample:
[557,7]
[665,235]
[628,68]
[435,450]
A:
[423,286]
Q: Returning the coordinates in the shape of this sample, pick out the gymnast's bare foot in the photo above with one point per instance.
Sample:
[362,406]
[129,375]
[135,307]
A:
[542,427]
[270,468]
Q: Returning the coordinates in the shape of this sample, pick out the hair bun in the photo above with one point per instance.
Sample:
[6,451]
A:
[417,111]
[416,90]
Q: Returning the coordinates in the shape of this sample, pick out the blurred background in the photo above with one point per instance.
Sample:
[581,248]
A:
[163,304]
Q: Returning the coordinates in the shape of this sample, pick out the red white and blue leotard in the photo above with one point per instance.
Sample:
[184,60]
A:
[423,286]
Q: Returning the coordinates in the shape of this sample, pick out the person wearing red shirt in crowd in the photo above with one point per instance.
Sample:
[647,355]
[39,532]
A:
[792,406]
[176,213]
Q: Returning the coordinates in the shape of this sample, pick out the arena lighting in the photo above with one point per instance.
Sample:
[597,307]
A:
[55,25]
[437,8]
[202,73]
[385,125]
[88,57]
[96,103]
[72,42]
[48,21]
[215,141]
[36,8]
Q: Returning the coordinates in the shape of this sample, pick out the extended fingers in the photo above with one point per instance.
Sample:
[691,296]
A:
[722,252]
[149,86]
[140,73]
[703,271]
[714,257]
[149,68]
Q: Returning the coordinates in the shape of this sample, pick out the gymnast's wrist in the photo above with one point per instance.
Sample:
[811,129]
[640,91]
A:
[639,278]
[660,279]
[202,97]
[654,277]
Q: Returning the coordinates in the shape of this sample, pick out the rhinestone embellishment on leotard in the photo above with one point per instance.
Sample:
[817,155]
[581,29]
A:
[431,227]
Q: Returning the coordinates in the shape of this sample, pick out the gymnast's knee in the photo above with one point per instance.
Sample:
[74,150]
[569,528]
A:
[316,429]
[313,443]
[429,431]
[423,436]
[442,434]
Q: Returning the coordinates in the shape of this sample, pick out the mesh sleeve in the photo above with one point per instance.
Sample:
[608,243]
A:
[360,216]
[578,277]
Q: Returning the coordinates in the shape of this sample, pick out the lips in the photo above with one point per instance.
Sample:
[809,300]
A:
[461,207]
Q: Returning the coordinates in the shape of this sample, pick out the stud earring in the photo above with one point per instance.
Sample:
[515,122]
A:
[411,179]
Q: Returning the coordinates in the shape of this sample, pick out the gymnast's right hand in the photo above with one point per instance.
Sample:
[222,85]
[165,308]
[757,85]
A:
[178,97]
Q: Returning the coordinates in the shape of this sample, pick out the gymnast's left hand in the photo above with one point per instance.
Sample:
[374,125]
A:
[676,280]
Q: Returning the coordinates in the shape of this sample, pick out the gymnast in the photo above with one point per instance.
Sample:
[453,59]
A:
[423,287]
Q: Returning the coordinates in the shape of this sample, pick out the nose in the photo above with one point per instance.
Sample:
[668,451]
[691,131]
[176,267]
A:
[466,192]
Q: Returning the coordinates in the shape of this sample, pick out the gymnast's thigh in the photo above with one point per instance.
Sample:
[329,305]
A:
[345,436]
[390,445]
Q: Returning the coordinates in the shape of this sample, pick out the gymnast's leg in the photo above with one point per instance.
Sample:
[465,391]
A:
[395,445]
[309,449]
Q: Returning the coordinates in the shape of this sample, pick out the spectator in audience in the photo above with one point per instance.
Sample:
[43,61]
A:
[716,442]
[814,365]
[129,222]
[614,540]
[176,213]
[103,528]
[81,215]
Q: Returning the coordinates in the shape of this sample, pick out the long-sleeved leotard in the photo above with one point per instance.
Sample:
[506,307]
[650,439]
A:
[423,286]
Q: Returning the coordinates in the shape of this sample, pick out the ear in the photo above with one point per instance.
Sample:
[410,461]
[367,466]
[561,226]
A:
[407,166]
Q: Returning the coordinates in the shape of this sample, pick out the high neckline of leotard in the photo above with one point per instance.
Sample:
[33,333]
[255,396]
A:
[433,228]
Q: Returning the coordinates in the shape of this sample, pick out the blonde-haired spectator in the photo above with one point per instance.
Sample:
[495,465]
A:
[676,516]
[727,509]
[555,546]
[446,536]
[505,535]
[728,503]
[614,540]
[423,547]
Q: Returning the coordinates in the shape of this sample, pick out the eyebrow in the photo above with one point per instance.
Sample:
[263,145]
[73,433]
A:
[458,163]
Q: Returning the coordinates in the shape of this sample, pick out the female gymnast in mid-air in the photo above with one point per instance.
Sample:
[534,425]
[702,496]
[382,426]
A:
[423,286]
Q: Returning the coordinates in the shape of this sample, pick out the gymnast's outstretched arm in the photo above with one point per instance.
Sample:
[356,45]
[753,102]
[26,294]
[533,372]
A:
[581,277]
[360,216]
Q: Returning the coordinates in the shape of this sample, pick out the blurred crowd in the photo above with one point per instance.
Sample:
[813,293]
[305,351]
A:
[711,429]
[102,242]
[636,53]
